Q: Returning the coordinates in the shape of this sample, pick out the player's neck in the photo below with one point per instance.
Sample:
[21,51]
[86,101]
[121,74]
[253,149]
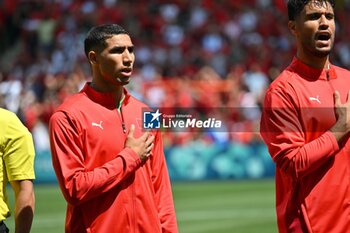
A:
[314,61]
[116,91]
[119,95]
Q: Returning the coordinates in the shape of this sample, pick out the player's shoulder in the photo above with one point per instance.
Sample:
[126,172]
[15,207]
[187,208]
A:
[137,101]
[73,102]
[341,70]
[283,82]
[71,106]
[7,117]
[11,125]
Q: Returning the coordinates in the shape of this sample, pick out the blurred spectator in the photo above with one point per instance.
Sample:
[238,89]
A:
[192,54]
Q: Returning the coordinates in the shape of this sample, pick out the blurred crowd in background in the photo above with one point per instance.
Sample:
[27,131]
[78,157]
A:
[207,54]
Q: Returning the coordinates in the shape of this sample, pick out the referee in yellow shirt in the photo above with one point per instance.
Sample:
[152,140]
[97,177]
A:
[17,167]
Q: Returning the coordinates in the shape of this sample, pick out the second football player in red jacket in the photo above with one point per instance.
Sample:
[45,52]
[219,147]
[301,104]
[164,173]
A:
[306,124]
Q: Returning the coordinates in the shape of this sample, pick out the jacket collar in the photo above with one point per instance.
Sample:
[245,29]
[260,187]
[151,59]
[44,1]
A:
[311,73]
[105,99]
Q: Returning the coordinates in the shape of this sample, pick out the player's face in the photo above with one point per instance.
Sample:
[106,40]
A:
[315,29]
[115,61]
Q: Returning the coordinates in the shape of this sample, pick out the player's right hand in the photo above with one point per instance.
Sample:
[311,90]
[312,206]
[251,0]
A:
[142,146]
[342,112]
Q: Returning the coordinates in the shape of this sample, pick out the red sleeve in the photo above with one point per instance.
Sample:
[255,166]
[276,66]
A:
[77,183]
[282,132]
[162,187]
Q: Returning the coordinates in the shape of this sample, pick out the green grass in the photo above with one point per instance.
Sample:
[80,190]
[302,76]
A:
[201,207]
[49,210]
[225,207]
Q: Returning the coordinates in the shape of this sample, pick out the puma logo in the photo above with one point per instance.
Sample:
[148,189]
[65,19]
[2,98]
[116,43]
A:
[315,99]
[97,125]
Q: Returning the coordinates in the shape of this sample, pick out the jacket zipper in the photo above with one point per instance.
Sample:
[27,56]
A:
[122,119]
[327,74]
[330,85]
[132,186]
[134,207]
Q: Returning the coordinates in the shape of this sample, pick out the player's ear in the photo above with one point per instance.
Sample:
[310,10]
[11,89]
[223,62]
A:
[92,57]
[292,27]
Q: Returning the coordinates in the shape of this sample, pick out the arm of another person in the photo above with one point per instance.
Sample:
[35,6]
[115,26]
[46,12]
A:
[282,132]
[77,183]
[19,164]
[162,187]
[24,205]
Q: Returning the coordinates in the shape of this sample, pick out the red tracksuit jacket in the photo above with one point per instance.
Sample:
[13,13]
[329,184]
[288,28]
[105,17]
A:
[312,170]
[107,187]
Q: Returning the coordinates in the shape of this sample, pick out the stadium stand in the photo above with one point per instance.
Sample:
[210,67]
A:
[203,54]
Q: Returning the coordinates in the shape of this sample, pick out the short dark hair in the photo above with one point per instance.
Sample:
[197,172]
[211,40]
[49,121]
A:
[296,6]
[96,37]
